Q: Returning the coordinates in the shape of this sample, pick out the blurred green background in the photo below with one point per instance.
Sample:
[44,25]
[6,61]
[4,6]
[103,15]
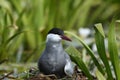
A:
[24,23]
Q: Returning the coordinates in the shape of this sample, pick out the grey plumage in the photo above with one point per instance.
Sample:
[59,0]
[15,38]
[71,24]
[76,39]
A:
[54,59]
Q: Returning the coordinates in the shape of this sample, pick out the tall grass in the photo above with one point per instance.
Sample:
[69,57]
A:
[104,71]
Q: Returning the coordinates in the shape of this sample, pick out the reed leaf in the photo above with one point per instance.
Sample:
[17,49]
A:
[113,50]
[99,39]
[99,75]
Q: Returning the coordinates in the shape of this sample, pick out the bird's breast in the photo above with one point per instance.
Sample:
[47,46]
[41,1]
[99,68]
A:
[56,62]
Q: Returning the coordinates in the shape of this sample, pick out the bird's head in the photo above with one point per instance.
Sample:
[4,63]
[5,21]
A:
[56,35]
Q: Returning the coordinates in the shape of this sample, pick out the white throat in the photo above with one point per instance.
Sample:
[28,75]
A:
[53,38]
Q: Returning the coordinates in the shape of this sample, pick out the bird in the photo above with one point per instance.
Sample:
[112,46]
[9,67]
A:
[54,59]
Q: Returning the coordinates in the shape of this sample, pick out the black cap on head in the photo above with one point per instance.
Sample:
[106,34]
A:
[56,31]
[59,32]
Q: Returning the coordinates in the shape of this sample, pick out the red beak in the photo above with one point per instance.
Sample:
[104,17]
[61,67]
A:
[65,38]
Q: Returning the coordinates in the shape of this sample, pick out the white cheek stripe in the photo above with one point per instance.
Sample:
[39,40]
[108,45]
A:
[53,37]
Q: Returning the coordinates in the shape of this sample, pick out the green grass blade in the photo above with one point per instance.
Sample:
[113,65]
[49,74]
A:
[85,12]
[99,38]
[15,35]
[113,50]
[38,15]
[99,75]
[16,5]
[75,56]
[89,51]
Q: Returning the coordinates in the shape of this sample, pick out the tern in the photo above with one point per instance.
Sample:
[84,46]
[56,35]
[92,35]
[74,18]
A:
[54,59]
